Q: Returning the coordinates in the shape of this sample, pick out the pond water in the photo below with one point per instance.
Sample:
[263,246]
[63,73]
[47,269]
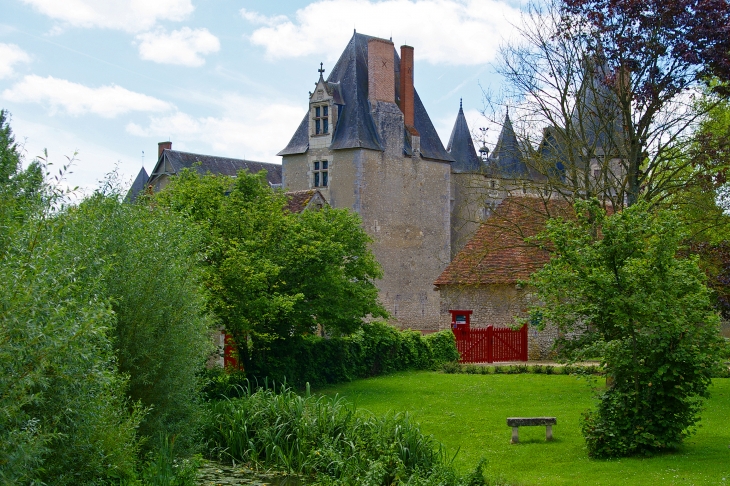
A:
[216,474]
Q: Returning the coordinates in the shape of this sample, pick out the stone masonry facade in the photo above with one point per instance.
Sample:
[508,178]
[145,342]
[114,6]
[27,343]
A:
[498,306]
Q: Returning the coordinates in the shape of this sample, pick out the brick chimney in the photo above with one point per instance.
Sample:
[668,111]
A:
[406,85]
[381,70]
[163,146]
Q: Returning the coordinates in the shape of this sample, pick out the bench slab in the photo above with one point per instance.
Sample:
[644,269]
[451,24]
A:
[528,421]
[517,422]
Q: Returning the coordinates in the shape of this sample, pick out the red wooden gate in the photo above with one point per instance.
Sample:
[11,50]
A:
[490,344]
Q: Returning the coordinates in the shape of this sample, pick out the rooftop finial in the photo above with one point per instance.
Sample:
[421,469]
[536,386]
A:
[321,69]
[460,103]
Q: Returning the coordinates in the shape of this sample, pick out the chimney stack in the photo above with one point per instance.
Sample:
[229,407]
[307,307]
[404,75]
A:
[407,94]
[381,70]
[163,146]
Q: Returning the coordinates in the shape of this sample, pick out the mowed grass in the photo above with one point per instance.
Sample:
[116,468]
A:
[468,413]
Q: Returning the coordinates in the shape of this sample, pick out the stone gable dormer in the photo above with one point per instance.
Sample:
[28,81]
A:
[325,105]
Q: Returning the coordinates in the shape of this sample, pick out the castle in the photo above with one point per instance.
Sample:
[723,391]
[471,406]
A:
[448,225]
[367,143]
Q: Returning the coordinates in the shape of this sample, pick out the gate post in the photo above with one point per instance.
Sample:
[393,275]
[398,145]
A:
[523,332]
[490,345]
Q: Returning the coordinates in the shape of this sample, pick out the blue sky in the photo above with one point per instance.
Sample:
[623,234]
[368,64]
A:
[108,79]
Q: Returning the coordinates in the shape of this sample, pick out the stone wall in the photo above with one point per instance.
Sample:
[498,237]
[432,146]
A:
[497,305]
[404,205]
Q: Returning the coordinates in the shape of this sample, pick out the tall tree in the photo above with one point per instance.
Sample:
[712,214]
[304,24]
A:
[616,289]
[272,274]
[64,416]
[603,92]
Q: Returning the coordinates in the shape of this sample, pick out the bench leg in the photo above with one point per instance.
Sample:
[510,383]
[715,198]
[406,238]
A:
[548,432]
[515,435]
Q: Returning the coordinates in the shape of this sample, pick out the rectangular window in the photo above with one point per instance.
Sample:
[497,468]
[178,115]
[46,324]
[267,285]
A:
[321,120]
[320,171]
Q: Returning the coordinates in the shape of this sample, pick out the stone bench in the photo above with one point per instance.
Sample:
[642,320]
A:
[517,422]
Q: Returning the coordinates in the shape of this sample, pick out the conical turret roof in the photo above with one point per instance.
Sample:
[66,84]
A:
[461,146]
[138,185]
[507,158]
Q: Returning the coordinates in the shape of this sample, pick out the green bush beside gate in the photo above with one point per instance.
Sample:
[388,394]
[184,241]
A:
[376,349]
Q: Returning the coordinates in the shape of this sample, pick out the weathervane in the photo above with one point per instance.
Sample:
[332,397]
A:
[484,151]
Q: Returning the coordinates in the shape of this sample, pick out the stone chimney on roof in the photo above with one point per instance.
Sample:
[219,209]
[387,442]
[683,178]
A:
[381,70]
[163,146]
[406,85]
[407,98]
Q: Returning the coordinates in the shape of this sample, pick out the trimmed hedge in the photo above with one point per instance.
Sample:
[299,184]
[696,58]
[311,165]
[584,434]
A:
[376,349]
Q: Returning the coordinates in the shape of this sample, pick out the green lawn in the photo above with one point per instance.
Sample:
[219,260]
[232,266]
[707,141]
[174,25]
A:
[469,411]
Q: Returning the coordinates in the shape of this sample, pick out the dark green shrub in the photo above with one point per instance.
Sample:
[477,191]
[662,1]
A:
[376,349]
[549,369]
[451,367]
[443,347]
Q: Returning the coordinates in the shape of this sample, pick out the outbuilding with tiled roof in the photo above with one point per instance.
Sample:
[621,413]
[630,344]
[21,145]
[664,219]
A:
[486,275]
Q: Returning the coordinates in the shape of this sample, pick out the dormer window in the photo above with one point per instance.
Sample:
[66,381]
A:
[321,120]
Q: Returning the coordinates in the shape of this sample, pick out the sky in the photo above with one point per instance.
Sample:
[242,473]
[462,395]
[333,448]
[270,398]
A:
[103,81]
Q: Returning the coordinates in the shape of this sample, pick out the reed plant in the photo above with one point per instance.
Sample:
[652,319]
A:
[326,439]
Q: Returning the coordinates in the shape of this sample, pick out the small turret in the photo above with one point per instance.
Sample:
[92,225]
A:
[461,146]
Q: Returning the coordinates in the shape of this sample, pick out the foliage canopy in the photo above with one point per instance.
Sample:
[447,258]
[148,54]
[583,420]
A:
[272,274]
[617,289]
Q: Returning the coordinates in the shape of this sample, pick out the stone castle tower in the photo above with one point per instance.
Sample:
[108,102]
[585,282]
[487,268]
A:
[368,144]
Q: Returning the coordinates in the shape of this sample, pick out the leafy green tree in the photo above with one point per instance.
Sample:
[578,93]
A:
[146,262]
[64,413]
[272,274]
[616,288]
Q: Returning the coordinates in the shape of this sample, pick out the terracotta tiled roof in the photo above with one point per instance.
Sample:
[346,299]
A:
[298,200]
[498,253]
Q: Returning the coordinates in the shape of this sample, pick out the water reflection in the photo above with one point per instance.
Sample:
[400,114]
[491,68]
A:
[216,474]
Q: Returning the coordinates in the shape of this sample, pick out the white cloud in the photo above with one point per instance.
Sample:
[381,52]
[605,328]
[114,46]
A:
[127,15]
[183,47]
[91,162]
[77,99]
[257,18]
[248,127]
[457,32]
[11,54]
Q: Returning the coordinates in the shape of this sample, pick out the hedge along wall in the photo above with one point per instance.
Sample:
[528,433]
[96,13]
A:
[376,349]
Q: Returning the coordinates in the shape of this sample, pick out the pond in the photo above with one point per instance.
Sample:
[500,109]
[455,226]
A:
[216,474]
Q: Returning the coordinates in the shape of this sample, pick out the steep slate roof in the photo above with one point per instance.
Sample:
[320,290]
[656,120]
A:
[507,157]
[461,146]
[216,165]
[355,126]
[138,185]
[598,120]
[298,201]
[498,253]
